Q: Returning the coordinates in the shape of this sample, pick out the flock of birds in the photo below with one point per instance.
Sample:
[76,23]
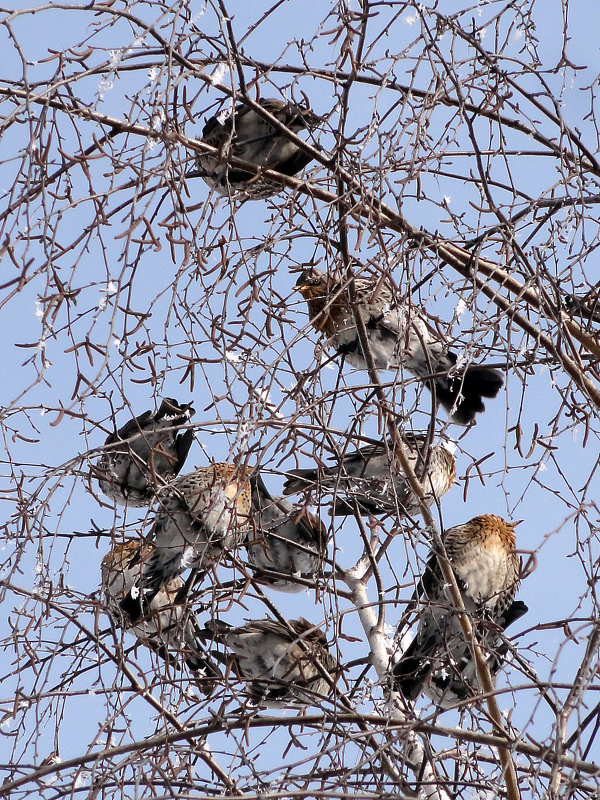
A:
[217,512]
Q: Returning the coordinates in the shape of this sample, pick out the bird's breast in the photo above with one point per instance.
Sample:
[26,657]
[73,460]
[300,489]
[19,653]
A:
[485,573]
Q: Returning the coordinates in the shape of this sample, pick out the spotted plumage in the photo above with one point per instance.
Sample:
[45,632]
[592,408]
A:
[167,626]
[400,337]
[374,478]
[247,136]
[201,516]
[487,568]
[284,540]
[277,669]
[145,453]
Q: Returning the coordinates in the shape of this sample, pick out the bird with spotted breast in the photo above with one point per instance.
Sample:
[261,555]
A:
[145,453]
[201,517]
[372,477]
[247,136]
[482,553]
[285,541]
[278,662]
[167,626]
[399,336]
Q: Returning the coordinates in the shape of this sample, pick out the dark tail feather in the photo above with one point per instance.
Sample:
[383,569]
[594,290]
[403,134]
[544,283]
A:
[206,673]
[259,491]
[473,385]
[409,675]
[412,670]
[345,507]
[182,448]
[294,164]
[213,630]
[300,480]
[135,604]
[514,612]
[172,408]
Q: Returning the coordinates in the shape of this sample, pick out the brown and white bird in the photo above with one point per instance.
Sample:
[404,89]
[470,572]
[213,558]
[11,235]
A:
[374,478]
[285,541]
[279,665]
[201,517]
[167,626]
[247,136]
[488,572]
[145,453]
[400,337]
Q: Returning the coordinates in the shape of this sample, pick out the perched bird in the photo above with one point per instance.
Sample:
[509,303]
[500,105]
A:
[278,665]
[201,516]
[284,539]
[167,626]
[145,453]
[399,336]
[587,307]
[247,136]
[375,480]
[487,568]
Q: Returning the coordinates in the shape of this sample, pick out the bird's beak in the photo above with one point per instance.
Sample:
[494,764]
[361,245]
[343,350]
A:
[302,282]
[313,120]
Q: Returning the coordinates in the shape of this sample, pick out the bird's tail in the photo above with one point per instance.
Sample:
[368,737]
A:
[206,673]
[135,604]
[172,409]
[300,480]
[411,671]
[462,395]
[213,630]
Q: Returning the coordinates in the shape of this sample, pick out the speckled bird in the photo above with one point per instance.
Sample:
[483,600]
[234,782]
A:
[166,626]
[487,568]
[145,453]
[201,517]
[284,539]
[400,337]
[247,136]
[277,669]
[373,478]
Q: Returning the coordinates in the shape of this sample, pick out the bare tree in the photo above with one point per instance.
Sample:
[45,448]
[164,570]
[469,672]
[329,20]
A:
[455,161]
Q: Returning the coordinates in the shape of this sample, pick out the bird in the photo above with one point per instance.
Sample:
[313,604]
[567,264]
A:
[168,626]
[374,479]
[587,307]
[145,453]
[247,136]
[278,662]
[487,569]
[284,539]
[201,516]
[399,336]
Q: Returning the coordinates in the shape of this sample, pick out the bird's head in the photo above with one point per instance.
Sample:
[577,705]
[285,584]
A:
[295,117]
[570,302]
[311,283]
[306,118]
